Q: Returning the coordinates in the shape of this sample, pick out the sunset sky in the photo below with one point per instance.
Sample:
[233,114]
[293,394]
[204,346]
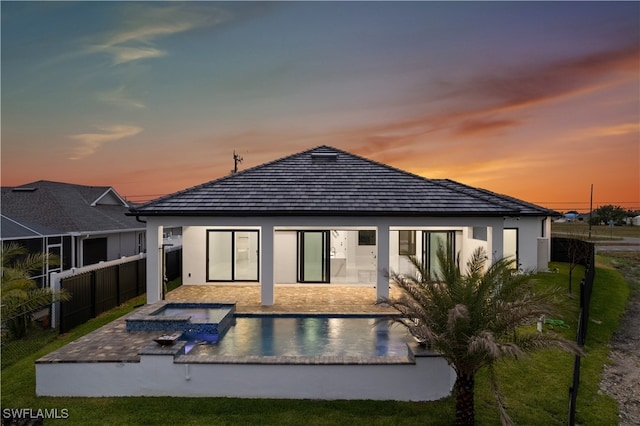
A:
[533,100]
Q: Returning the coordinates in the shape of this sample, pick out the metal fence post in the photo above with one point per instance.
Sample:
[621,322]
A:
[55,307]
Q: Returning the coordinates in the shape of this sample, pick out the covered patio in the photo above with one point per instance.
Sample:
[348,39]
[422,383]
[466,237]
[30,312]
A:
[289,298]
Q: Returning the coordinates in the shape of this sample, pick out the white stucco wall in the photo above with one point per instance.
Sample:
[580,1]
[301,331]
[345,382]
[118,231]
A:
[285,257]
[194,255]
[469,245]
[194,240]
[430,378]
[529,230]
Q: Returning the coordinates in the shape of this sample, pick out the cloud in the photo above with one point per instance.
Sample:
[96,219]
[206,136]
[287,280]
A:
[476,126]
[133,45]
[488,103]
[616,130]
[119,98]
[529,85]
[137,39]
[91,142]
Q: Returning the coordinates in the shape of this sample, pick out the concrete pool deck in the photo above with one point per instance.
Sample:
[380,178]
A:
[112,343]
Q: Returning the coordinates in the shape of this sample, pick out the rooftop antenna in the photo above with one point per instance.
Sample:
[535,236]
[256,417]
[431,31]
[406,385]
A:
[236,159]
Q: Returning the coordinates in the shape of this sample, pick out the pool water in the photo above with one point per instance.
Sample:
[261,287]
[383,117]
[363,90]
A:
[197,314]
[305,336]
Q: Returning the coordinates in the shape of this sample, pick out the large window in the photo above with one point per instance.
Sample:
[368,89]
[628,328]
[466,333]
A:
[232,255]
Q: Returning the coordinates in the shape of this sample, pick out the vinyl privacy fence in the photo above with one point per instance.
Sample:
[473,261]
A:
[98,288]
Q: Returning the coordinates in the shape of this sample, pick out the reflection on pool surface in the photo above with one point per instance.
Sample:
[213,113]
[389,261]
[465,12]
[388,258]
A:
[200,314]
[305,336]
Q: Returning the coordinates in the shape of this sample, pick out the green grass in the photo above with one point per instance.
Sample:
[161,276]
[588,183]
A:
[37,337]
[535,389]
[598,232]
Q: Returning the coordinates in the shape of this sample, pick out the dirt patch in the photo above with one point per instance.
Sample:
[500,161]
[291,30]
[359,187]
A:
[621,379]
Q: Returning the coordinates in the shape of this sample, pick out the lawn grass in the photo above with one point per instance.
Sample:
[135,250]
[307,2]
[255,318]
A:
[547,377]
[598,232]
[535,389]
[37,337]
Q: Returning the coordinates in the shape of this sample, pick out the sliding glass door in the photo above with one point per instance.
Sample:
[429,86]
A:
[431,242]
[313,256]
[232,255]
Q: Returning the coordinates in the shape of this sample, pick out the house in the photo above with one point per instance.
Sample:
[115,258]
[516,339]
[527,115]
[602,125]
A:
[36,239]
[325,216]
[81,224]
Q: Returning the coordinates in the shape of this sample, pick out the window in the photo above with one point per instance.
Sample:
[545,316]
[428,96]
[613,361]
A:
[367,238]
[407,243]
[232,255]
[480,233]
[510,245]
[94,250]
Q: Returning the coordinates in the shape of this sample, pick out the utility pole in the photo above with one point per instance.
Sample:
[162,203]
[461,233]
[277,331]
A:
[236,159]
[590,211]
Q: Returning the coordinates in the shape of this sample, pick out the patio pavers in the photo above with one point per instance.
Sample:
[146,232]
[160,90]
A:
[112,343]
[319,298]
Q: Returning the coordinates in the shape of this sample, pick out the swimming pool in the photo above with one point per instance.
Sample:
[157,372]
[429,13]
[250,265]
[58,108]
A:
[304,335]
[279,355]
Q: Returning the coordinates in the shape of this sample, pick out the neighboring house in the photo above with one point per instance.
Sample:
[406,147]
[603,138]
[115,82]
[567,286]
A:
[572,216]
[38,239]
[326,216]
[82,224]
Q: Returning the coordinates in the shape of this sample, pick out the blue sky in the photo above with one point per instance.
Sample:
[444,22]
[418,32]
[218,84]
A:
[533,99]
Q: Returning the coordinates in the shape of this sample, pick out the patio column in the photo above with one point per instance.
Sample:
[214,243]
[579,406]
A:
[154,263]
[382,283]
[267,287]
[497,242]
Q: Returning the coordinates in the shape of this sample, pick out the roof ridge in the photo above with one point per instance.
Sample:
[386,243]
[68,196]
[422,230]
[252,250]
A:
[281,159]
[223,178]
[378,163]
[45,181]
[502,199]
[471,189]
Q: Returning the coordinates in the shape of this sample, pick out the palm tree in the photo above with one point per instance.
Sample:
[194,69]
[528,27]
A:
[20,295]
[474,319]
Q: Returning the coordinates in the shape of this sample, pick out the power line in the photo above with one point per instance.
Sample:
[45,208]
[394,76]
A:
[586,202]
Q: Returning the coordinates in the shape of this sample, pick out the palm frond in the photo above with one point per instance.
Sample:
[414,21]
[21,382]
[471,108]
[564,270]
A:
[17,304]
[499,397]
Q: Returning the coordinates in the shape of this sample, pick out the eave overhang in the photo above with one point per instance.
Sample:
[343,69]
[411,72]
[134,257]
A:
[307,213]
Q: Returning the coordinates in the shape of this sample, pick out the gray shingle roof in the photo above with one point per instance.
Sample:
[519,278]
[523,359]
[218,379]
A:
[67,207]
[11,229]
[329,181]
